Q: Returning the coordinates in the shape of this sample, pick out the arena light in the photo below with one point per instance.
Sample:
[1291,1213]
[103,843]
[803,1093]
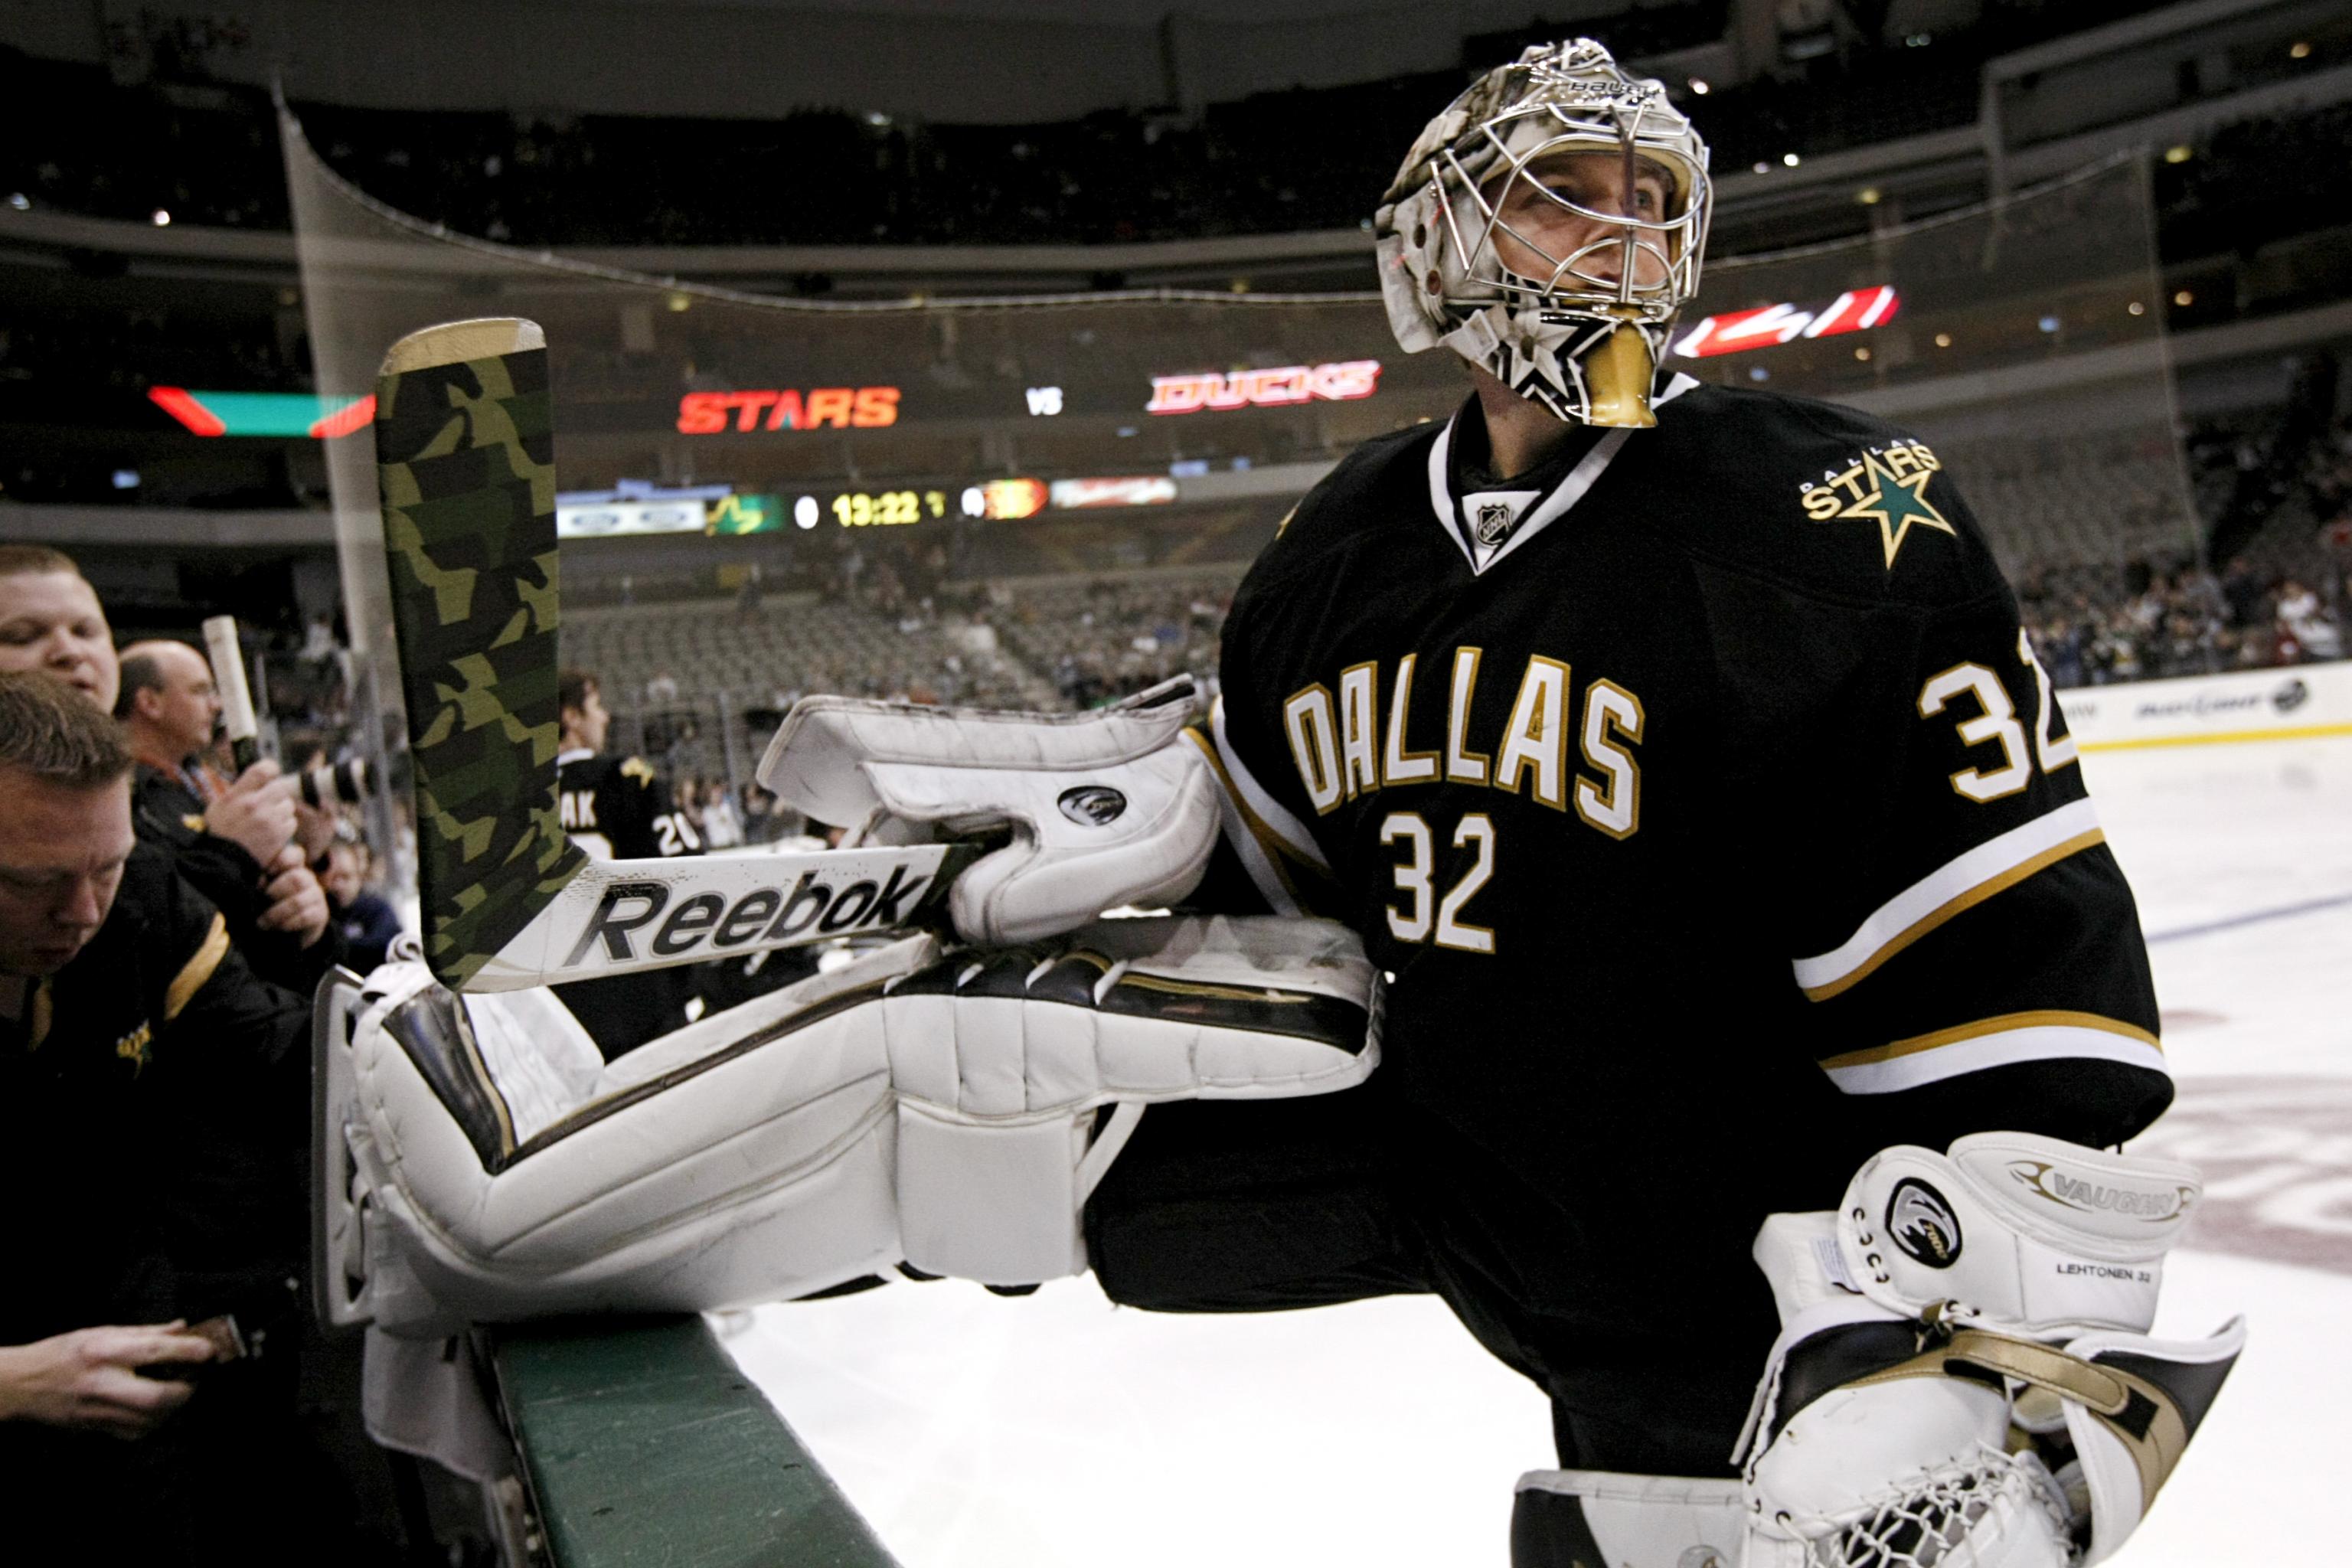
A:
[636,506]
[263,413]
[1766,326]
[605,519]
[1287,384]
[1004,500]
[1148,490]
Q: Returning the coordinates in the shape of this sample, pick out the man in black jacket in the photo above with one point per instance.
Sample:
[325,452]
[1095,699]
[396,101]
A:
[152,1092]
[243,846]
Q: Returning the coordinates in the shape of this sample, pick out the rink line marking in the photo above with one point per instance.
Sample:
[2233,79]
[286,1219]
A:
[2296,732]
[2309,906]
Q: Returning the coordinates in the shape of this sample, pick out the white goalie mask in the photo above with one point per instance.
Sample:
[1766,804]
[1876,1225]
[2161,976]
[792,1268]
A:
[1547,227]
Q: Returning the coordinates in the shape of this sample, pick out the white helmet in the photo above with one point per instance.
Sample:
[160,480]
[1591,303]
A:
[1560,329]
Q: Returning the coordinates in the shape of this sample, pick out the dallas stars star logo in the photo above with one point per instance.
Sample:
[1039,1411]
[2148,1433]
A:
[1895,501]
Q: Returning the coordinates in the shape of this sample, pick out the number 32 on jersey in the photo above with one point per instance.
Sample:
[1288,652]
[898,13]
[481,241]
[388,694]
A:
[1948,692]
[1343,751]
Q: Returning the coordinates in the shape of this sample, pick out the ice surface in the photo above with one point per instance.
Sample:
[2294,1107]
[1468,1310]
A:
[1059,1430]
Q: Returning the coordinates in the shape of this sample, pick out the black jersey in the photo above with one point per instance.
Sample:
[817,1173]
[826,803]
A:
[166,811]
[1706,802]
[152,1105]
[617,808]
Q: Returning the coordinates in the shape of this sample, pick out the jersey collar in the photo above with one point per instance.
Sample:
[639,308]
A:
[576,755]
[1534,508]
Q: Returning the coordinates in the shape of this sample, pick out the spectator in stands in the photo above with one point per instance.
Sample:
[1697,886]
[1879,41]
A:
[2306,623]
[723,822]
[146,1068]
[364,916]
[246,848]
[51,621]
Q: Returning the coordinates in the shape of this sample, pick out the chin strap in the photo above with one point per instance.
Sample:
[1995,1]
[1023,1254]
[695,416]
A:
[1618,376]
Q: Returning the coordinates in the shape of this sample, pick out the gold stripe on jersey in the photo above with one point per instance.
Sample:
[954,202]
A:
[2039,1035]
[1259,845]
[1957,885]
[197,969]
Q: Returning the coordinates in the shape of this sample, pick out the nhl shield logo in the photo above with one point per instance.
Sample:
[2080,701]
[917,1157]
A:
[1493,524]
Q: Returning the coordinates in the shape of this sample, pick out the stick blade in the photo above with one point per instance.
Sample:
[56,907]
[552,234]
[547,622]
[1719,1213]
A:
[466,468]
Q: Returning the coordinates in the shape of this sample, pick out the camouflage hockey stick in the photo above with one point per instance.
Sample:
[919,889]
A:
[466,466]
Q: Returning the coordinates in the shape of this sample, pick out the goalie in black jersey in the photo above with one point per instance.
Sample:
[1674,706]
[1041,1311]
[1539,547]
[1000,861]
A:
[1762,1007]
[1677,753]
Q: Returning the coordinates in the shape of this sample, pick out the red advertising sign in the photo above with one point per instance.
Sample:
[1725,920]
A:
[1857,309]
[1155,489]
[841,407]
[1263,388]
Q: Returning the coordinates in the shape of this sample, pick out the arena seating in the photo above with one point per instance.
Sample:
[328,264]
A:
[2076,500]
[1100,639]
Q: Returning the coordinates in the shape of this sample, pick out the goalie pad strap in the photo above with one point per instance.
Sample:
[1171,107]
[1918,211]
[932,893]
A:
[2141,1415]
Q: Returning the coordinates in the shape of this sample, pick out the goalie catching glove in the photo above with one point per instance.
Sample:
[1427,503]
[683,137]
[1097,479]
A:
[479,1162]
[1964,1373]
[1103,809]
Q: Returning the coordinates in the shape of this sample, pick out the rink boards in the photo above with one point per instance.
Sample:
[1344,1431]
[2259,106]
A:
[2291,703]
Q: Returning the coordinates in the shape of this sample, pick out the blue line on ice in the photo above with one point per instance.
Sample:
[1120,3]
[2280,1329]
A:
[2308,905]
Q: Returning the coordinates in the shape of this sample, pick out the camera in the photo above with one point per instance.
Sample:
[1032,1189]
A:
[345,783]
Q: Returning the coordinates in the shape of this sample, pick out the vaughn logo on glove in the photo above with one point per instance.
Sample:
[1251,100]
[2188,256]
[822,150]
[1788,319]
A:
[2044,1179]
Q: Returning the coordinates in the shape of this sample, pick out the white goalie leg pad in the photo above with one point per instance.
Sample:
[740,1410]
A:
[1105,809]
[919,1105]
[1937,1388]
[1600,1519]
[1000,1059]
[748,1156]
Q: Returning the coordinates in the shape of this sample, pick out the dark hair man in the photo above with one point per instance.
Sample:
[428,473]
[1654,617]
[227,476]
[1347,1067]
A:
[616,808]
[139,1059]
[237,849]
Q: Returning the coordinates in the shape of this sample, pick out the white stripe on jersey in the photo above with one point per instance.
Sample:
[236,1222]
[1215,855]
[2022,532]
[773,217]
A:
[1288,829]
[1957,885]
[1264,874]
[1581,480]
[1991,1043]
